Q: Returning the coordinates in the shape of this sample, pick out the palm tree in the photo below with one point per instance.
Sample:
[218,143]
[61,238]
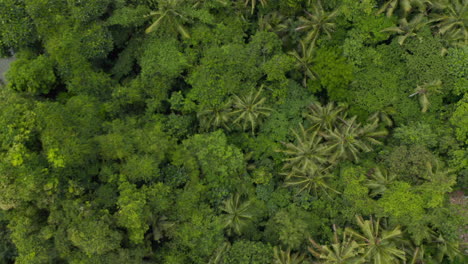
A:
[453,24]
[253,4]
[379,244]
[285,257]
[407,29]
[217,256]
[249,109]
[324,117]
[383,115]
[202,3]
[424,91]
[309,179]
[172,14]
[379,180]
[404,5]
[439,176]
[308,152]
[446,248]
[160,225]
[316,22]
[273,22]
[346,251]
[237,214]
[349,138]
[370,132]
[215,117]
[304,62]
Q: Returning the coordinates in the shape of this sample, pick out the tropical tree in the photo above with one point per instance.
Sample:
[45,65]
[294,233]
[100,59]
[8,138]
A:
[249,109]
[380,245]
[379,181]
[424,91]
[316,22]
[172,14]
[446,248]
[406,6]
[369,132]
[383,116]
[407,29]
[253,4]
[209,3]
[309,180]
[304,61]
[273,22]
[216,117]
[452,23]
[308,152]
[348,139]
[160,225]
[217,256]
[237,214]
[346,251]
[285,257]
[436,173]
[324,117]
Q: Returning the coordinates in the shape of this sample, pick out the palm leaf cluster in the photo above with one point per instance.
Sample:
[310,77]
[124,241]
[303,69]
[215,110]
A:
[237,214]
[171,13]
[344,251]
[304,57]
[379,181]
[380,244]
[447,18]
[245,111]
[425,91]
[317,21]
[450,20]
[249,109]
[254,3]
[371,244]
[331,137]
[404,6]
[286,257]
[377,243]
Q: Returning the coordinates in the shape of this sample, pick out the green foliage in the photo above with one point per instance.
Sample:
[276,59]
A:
[248,252]
[335,74]
[216,131]
[291,227]
[93,236]
[162,57]
[61,123]
[17,28]
[460,119]
[35,76]
[355,193]
[221,164]
[417,134]
[400,202]
[457,67]
[200,236]
[7,248]
[409,162]
[231,69]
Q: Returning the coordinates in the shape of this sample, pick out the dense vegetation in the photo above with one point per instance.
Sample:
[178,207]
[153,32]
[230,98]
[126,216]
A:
[249,131]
